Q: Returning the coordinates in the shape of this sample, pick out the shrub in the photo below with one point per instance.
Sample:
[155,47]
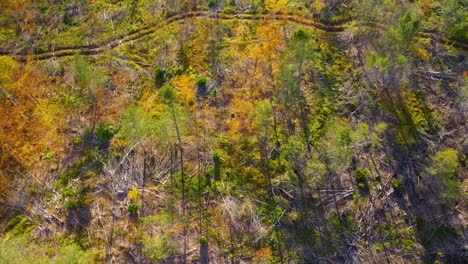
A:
[159,76]
[203,240]
[218,161]
[77,141]
[158,248]
[167,94]
[361,175]
[104,133]
[69,204]
[68,20]
[133,208]
[212,3]
[396,184]
[43,7]
[444,166]
[74,254]
[201,82]
[134,194]
[12,223]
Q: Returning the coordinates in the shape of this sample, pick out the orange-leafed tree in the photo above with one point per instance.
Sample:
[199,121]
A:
[30,130]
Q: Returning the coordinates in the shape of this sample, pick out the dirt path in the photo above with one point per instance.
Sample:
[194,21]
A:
[99,48]
[109,44]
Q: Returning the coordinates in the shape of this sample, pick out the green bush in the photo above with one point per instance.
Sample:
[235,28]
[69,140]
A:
[396,184]
[453,15]
[201,82]
[203,240]
[66,176]
[444,166]
[68,20]
[13,223]
[167,94]
[68,191]
[69,204]
[159,76]
[212,3]
[133,208]
[361,175]
[75,171]
[73,254]
[218,161]
[158,248]
[105,132]
[22,250]
[49,155]
[77,141]
[43,7]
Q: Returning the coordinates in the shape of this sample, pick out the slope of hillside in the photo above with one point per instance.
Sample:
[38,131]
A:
[233,131]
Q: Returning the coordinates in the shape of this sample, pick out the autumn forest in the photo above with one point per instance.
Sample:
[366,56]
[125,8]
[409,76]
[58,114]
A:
[233,131]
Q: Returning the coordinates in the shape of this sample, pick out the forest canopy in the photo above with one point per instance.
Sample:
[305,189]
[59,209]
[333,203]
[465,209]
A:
[233,131]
